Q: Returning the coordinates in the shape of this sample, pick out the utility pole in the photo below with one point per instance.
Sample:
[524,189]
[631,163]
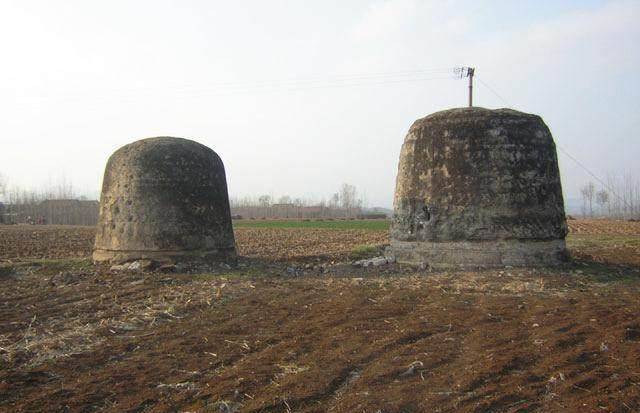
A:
[467,72]
[470,71]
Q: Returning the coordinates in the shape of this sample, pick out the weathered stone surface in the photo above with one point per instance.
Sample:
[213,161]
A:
[470,179]
[164,199]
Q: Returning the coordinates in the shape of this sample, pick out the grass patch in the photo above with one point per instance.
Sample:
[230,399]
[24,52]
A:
[53,266]
[363,224]
[45,266]
[364,251]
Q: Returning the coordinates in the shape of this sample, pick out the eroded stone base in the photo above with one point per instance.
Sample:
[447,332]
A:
[200,256]
[480,254]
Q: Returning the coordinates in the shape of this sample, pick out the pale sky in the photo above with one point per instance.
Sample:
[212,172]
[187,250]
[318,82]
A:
[298,97]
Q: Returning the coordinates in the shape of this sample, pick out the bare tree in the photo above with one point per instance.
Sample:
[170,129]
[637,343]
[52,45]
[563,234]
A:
[284,199]
[588,192]
[602,199]
[264,200]
[3,186]
[64,190]
[348,196]
[334,201]
[624,199]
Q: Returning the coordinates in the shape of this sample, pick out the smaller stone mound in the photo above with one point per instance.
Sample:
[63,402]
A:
[164,199]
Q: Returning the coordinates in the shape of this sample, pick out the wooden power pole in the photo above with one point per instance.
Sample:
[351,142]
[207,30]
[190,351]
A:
[467,72]
[470,71]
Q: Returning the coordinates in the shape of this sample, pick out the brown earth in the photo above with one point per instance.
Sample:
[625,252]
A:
[59,241]
[341,339]
[605,241]
[603,227]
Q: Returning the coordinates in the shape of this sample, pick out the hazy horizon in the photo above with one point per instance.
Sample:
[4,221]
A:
[300,98]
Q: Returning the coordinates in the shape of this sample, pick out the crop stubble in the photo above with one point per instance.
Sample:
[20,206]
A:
[76,339]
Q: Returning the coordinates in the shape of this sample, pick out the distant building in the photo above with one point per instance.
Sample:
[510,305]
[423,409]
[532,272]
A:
[67,212]
[51,211]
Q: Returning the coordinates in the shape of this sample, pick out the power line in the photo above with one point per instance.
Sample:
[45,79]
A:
[564,151]
[338,79]
[326,85]
[494,92]
[291,84]
[624,201]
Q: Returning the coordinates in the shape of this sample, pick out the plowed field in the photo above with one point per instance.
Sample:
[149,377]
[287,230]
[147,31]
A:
[52,242]
[328,338]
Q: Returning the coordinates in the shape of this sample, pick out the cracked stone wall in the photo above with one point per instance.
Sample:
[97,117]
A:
[164,199]
[486,177]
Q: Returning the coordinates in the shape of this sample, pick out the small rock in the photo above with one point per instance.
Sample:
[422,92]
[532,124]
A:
[292,271]
[118,267]
[412,368]
[134,266]
[378,261]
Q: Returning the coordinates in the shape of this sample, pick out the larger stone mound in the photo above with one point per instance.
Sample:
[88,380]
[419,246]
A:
[478,188]
[164,199]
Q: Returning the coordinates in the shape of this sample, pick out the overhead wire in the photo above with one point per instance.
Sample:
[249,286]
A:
[234,88]
[230,88]
[565,152]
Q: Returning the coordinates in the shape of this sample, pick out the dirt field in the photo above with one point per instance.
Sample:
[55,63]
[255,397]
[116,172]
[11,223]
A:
[18,242]
[615,241]
[288,331]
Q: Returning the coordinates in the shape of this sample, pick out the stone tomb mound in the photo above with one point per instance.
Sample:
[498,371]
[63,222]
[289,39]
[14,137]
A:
[478,188]
[164,200]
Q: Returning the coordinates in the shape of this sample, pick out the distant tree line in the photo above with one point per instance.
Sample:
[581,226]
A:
[57,204]
[345,203]
[61,204]
[619,197]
